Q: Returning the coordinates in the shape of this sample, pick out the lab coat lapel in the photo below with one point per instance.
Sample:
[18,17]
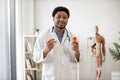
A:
[64,37]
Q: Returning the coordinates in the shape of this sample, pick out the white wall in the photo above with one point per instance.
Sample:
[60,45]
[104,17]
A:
[27,16]
[84,15]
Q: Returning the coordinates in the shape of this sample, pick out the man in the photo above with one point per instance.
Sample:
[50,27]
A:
[55,49]
[98,50]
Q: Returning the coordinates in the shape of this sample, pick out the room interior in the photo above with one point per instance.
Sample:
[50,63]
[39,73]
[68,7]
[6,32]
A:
[84,15]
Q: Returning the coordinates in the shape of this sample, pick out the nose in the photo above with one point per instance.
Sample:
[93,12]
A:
[61,19]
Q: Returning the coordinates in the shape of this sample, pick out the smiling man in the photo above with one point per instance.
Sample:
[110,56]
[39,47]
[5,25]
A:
[55,49]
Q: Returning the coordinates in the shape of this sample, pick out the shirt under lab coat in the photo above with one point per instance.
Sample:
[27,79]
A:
[60,63]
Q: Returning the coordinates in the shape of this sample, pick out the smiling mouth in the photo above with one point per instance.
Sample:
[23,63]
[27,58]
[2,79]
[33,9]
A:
[61,27]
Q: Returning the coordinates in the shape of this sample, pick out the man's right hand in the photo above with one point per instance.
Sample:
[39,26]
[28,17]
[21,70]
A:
[49,46]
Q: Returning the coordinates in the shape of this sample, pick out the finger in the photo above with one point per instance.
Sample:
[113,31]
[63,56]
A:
[73,48]
[74,43]
[50,40]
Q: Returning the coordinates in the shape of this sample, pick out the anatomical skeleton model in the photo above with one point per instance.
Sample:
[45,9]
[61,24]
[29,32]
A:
[98,49]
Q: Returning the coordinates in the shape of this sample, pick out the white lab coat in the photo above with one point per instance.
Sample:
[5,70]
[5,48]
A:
[60,63]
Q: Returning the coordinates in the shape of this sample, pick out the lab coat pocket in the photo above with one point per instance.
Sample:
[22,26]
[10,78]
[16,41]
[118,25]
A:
[48,72]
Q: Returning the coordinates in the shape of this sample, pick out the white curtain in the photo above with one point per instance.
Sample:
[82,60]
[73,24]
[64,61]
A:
[4,41]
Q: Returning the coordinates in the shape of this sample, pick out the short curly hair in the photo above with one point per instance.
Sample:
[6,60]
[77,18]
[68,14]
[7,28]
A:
[60,8]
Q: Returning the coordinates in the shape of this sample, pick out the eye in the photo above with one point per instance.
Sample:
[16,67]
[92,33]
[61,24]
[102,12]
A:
[64,17]
[58,17]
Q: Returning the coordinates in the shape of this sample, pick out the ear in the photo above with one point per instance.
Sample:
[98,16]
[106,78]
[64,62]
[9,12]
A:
[53,18]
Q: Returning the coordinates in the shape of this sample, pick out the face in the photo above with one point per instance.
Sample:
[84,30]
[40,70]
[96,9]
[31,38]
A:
[60,20]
